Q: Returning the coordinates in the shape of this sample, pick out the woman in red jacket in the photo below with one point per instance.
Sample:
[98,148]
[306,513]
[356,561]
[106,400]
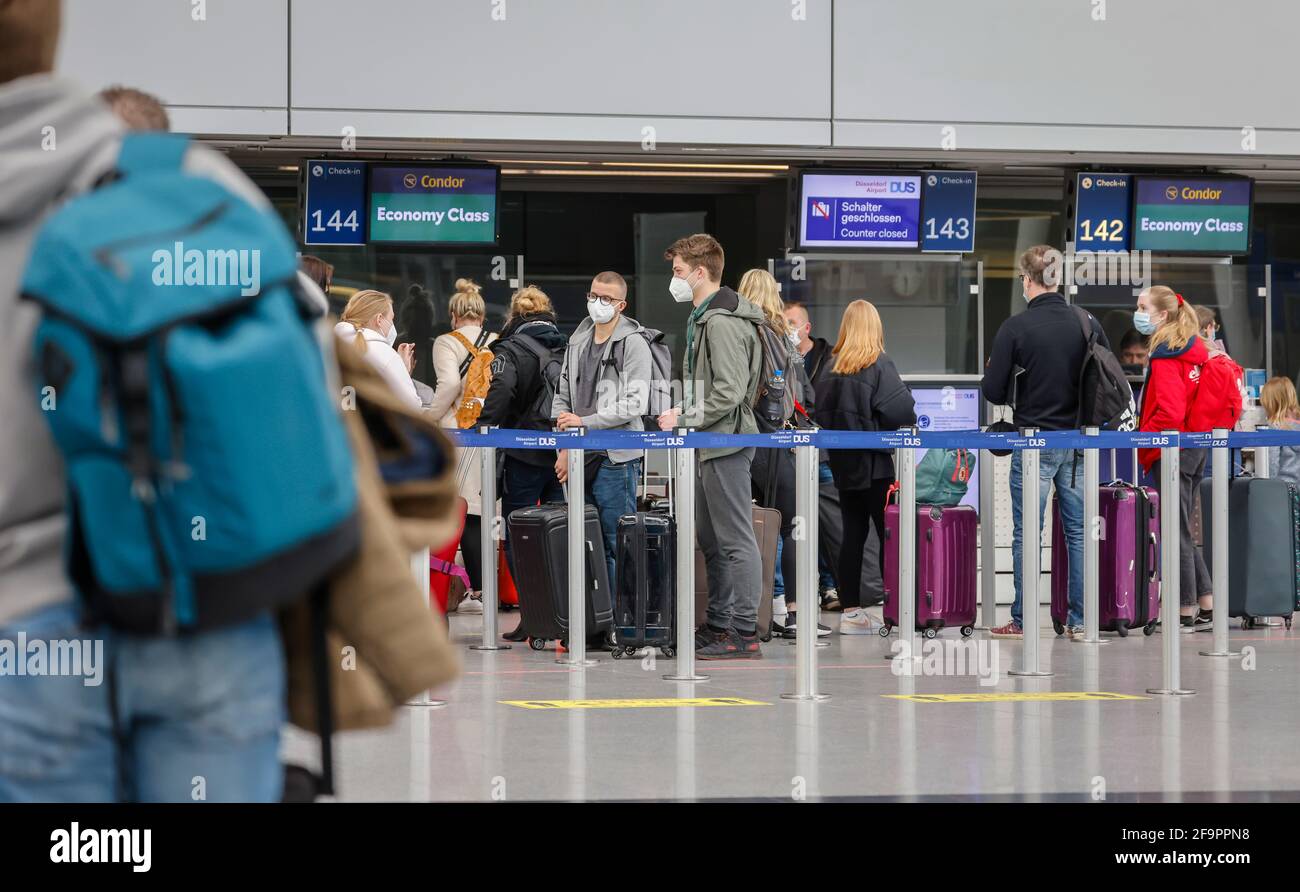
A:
[1176,354]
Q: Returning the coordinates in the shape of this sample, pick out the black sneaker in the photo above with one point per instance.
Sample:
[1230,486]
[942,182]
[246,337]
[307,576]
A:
[705,635]
[779,630]
[831,600]
[1204,620]
[792,628]
[731,645]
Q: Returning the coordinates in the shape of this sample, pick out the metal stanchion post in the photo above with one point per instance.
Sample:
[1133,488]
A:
[576,635]
[988,543]
[488,524]
[1220,474]
[1031,544]
[1262,470]
[684,505]
[805,508]
[420,568]
[1170,546]
[910,645]
[1093,532]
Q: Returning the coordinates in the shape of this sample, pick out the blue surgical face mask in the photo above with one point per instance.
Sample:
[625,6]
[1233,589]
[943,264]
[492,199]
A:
[1142,322]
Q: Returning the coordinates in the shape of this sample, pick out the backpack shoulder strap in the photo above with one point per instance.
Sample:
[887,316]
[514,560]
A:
[464,342]
[144,152]
[1084,323]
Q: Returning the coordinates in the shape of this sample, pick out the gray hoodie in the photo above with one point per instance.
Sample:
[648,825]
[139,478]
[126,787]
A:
[622,393]
[55,141]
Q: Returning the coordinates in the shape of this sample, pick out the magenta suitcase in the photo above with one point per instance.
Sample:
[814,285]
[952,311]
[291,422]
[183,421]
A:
[1129,561]
[945,568]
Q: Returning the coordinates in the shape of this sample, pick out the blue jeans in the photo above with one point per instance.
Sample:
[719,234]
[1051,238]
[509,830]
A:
[525,485]
[195,715]
[613,492]
[1054,466]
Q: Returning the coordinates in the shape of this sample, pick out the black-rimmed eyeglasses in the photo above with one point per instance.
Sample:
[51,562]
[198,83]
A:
[604,301]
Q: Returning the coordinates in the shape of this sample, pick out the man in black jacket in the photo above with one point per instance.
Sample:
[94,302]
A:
[517,383]
[817,362]
[1034,367]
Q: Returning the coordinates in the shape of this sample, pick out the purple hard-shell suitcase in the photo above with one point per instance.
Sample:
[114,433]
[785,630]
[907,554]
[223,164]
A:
[1129,561]
[945,568]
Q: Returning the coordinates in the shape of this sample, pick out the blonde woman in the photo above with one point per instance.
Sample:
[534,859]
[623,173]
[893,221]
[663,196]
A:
[863,392]
[772,471]
[368,324]
[1177,353]
[1278,397]
[529,342]
[451,361]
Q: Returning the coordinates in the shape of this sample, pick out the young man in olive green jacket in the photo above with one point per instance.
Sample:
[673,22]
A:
[721,370]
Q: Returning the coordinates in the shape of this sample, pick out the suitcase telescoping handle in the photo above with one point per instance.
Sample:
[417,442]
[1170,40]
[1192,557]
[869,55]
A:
[672,470]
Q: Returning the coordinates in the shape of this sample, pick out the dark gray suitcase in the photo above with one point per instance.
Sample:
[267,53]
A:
[1263,549]
[539,540]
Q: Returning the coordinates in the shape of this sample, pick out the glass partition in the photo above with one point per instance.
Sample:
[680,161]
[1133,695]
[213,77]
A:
[1232,291]
[927,305]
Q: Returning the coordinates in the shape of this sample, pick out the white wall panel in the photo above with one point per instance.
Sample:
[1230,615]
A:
[551,63]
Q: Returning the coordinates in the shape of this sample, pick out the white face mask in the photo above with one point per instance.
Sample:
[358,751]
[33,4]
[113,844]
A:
[391,337]
[681,289]
[599,313]
[794,338]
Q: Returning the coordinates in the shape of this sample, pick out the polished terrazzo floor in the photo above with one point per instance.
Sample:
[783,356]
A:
[1235,738]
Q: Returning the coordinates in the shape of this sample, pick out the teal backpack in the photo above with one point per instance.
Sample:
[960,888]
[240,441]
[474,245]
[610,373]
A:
[943,475]
[209,475]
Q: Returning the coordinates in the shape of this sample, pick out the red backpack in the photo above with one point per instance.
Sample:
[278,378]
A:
[1219,395]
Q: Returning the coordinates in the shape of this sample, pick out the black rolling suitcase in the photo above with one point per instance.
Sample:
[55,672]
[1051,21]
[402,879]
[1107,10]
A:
[1263,546]
[539,540]
[645,593]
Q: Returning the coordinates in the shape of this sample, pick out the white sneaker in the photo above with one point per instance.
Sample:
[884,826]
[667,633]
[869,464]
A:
[473,603]
[858,622]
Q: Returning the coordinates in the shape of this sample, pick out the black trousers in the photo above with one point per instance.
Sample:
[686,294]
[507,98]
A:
[773,469]
[471,548]
[859,509]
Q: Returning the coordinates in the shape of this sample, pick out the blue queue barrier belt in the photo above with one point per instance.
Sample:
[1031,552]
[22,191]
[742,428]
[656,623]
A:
[829,439]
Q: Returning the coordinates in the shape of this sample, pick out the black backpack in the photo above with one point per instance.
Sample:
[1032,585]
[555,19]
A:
[1105,398]
[549,363]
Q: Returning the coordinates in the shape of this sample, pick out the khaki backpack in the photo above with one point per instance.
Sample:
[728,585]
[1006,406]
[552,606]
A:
[477,374]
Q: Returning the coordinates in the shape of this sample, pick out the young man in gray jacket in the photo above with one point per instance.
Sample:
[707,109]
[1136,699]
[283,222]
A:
[207,706]
[721,371]
[605,385]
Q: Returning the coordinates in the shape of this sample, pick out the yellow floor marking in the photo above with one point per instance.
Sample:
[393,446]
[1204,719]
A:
[633,703]
[1013,697]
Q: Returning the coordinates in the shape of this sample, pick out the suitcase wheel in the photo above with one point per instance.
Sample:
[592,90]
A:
[885,630]
[1058,627]
[931,632]
[1121,629]
[1149,628]
[967,631]
[537,643]
[1247,622]
[1286,621]
[617,653]
[668,652]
